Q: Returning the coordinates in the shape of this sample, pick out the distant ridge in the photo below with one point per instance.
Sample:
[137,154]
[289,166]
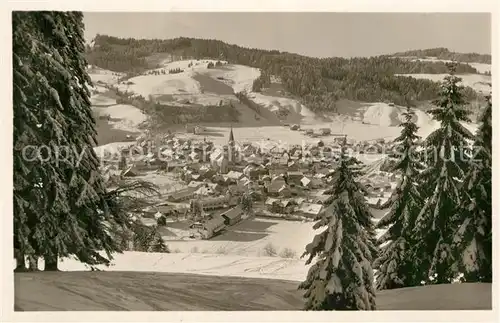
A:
[446,54]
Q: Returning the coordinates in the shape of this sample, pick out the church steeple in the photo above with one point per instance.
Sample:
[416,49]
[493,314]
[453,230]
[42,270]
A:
[231,135]
[231,147]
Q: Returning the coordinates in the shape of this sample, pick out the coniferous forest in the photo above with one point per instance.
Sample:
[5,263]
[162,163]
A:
[439,218]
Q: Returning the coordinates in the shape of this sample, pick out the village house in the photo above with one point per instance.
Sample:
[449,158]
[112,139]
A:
[285,191]
[181,195]
[233,215]
[280,206]
[234,176]
[277,172]
[252,172]
[204,190]
[212,203]
[309,210]
[294,177]
[211,227]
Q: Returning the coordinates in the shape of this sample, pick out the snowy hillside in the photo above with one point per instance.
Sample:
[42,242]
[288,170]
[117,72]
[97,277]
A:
[193,83]
[123,116]
[478,82]
[480,67]
[275,104]
[99,75]
[388,115]
[239,77]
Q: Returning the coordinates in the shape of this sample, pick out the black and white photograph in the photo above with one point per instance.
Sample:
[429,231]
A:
[251,161]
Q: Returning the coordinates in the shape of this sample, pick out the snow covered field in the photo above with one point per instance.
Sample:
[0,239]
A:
[239,77]
[157,85]
[124,116]
[478,82]
[203,264]
[105,76]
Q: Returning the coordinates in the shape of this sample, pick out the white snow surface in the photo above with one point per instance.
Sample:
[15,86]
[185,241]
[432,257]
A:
[105,76]
[382,114]
[226,256]
[100,100]
[129,116]
[239,77]
[388,117]
[157,85]
[274,103]
[481,67]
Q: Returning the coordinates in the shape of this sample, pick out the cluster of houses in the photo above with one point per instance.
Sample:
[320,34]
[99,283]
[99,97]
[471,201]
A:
[282,182]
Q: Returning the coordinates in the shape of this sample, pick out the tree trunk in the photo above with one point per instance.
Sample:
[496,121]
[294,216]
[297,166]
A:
[33,263]
[51,263]
[20,261]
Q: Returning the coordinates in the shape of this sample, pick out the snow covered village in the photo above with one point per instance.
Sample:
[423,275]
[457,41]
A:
[198,174]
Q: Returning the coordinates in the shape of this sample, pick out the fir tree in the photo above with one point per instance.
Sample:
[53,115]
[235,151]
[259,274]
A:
[159,245]
[39,121]
[342,277]
[247,201]
[60,203]
[446,161]
[473,238]
[395,265]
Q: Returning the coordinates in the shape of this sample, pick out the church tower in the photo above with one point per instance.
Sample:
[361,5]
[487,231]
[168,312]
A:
[231,147]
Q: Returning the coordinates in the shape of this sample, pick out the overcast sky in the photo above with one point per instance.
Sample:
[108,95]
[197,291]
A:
[312,34]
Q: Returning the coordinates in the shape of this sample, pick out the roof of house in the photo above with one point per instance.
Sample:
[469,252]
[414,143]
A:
[322,198]
[233,213]
[283,188]
[276,185]
[185,192]
[305,181]
[234,175]
[271,201]
[214,223]
[218,199]
[310,208]
[195,184]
